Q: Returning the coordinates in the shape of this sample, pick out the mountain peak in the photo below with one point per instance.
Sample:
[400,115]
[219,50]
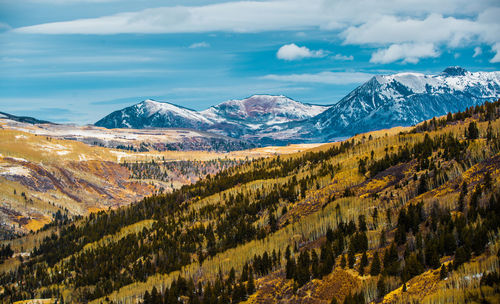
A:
[258,110]
[454,71]
[150,101]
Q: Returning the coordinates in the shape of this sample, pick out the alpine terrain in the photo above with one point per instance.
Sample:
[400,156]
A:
[384,101]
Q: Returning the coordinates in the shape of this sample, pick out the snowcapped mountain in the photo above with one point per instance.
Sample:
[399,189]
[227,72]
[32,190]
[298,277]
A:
[154,114]
[233,118]
[401,100]
[247,116]
[24,119]
[259,110]
[382,102]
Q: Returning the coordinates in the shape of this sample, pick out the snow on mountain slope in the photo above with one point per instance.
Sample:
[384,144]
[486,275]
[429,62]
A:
[233,118]
[403,99]
[154,114]
[259,110]
[152,107]
[384,101]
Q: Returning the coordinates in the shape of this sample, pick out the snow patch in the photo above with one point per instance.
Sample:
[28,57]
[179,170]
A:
[9,170]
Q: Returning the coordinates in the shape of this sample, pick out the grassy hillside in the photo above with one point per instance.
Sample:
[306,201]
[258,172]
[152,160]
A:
[394,216]
[43,175]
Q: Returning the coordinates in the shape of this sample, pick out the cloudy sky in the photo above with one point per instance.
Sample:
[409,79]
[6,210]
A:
[78,60]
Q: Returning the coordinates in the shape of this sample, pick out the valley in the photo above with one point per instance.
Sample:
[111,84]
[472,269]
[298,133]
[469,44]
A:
[408,214]
[42,172]
[249,152]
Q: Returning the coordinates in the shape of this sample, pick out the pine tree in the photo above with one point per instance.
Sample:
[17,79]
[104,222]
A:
[351,258]
[375,267]
[381,287]
[383,239]
[363,263]
[423,185]
[155,297]
[462,255]
[362,223]
[315,270]
[472,131]
[302,273]
[273,223]
[250,284]
[290,268]
[489,132]
[146,298]
[342,261]
[244,273]
[443,273]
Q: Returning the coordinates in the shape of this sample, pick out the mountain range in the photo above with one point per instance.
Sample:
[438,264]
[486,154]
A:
[233,118]
[23,119]
[382,102]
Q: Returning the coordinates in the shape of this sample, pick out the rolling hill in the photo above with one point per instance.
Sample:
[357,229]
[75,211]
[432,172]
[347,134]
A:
[402,215]
[46,168]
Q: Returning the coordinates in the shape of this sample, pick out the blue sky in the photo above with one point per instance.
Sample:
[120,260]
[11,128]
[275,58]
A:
[77,60]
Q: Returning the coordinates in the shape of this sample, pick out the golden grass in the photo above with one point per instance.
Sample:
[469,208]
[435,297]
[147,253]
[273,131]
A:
[36,301]
[306,227]
[36,224]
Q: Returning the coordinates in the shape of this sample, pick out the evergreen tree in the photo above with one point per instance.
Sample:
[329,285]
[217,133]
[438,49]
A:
[146,298]
[315,269]
[363,263]
[244,273]
[342,261]
[381,289]
[302,273]
[273,223]
[375,267]
[443,273]
[472,131]
[155,296]
[489,132]
[423,185]
[382,238]
[250,284]
[351,258]
[290,268]
[462,255]
[362,223]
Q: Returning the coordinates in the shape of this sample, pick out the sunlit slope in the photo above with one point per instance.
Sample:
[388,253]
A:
[373,218]
[40,175]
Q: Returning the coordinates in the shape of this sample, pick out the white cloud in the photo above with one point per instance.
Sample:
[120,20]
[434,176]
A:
[293,52]
[477,51]
[343,57]
[197,45]
[377,24]
[102,73]
[496,48]
[240,16]
[408,53]
[391,29]
[326,77]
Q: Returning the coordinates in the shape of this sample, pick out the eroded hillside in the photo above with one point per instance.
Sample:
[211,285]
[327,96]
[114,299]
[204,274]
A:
[41,175]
